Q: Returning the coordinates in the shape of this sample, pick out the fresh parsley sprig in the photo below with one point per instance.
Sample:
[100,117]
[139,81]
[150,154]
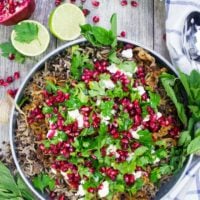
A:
[99,36]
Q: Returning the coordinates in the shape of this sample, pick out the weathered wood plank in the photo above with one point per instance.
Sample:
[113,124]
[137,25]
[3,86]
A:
[159,28]
[8,67]
[137,22]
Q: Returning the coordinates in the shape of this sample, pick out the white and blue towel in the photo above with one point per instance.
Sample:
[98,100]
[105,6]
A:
[177,11]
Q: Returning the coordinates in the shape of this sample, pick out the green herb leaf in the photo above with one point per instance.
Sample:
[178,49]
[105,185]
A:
[137,186]
[145,137]
[124,122]
[43,181]
[168,81]
[51,87]
[184,138]
[194,146]
[97,88]
[128,66]
[106,107]
[113,58]
[26,32]
[8,49]
[154,99]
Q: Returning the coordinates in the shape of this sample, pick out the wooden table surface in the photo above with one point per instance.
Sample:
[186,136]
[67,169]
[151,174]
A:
[144,24]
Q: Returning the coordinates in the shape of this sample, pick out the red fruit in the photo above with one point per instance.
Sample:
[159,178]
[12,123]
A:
[95,19]
[134,3]
[11,56]
[124,2]
[123,34]
[86,12]
[1,82]
[91,189]
[9,79]
[16,75]
[12,12]
[129,179]
[135,145]
[95,3]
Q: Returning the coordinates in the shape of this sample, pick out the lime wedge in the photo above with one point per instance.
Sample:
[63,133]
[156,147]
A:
[36,47]
[65,21]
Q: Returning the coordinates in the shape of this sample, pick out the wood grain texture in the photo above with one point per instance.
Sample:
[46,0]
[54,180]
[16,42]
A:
[144,24]
[8,67]
[159,28]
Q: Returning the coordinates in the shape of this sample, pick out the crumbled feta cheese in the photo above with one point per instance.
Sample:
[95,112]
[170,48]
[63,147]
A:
[75,114]
[108,84]
[104,191]
[105,119]
[141,90]
[146,118]
[81,191]
[98,102]
[111,149]
[112,68]
[113,111]
[128,53]
[64,174]
[134,133]
[158,114]
[130,157]
[53,171]
[137,174]
[156,160]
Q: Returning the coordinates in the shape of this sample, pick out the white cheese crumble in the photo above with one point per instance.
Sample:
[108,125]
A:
[108,84]
[134,133]
[147,118]
[158,114]
[128,53]
[75,114]
[81,191]
[104,191]
[98,102]
[105,119]
[140,90]
[111,149]
[137,174]
[130,157]
[113,111]
[112,68]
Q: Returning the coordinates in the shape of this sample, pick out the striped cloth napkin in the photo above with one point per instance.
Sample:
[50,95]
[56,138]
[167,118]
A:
[177,11]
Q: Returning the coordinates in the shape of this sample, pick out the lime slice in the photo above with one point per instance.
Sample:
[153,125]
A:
[36,47]
[65,21]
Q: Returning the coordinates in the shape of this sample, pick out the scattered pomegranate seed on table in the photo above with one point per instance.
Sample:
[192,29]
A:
[85,11]
[124,3]
[12,93]
[134,3]
[95,3]
[95,19]
[58,2]
[9,79]
[11,56]
[16,75]
[123,34]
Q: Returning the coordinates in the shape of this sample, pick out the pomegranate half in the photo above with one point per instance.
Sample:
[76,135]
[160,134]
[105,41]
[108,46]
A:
[14,11]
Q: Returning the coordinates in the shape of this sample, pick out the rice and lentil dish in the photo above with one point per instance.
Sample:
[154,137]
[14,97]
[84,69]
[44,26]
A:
[97,124]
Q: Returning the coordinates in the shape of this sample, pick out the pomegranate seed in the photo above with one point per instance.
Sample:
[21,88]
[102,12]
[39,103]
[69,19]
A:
[95,19]
[135,145]
[123,34]
[95,3]
[1,82]
[9,79]
[134,3]
[61,197]
[124,2]
[12,93]
[85,11]
[16,75]
[91,189]
[11,56]
[58,2]
[129,179]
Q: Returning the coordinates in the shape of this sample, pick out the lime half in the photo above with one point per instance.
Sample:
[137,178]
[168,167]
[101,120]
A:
[36,47]
[65,21]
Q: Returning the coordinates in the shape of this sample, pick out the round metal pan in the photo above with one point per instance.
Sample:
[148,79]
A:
[164,190]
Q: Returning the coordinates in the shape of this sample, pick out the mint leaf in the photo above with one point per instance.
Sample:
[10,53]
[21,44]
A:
[128,66]
[43,181]
[154,99]
[26,32]
[113,58]
[8,49]
[168,81]
[145,137]
[194,146]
